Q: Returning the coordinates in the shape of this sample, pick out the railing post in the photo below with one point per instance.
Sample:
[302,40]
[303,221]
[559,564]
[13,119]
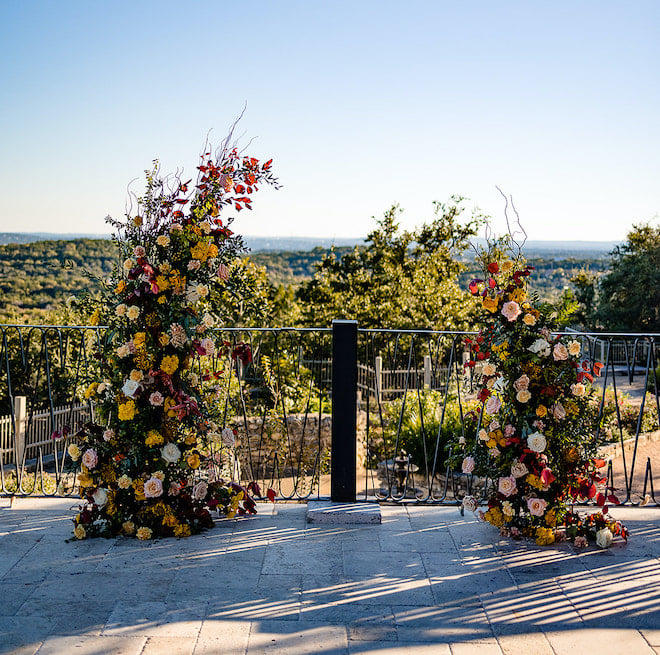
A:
[427,371]
[20,421]
[344,411]
[378,374]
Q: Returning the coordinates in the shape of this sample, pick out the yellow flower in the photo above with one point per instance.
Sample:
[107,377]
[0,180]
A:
[121,287]
[169,520]
[491,304]
[163,338]
[95,317]
[127,411]
[79,532]
[518,295]
[124,482]
[200,251]
[91,389]
[74,452]
[139,339]
[138,486]
[154,438]
[193,461]
[161,300]
[541,411]
[108,473]
[529,319]
[169,364]
[545,536]
[213,251]
[495,517]
[137,221]
[182,531]
[136,375]
[143,533]
[128,527]
[551,518]
[163,283]
[506,266]
[535,481]
[85,479]
[167,407]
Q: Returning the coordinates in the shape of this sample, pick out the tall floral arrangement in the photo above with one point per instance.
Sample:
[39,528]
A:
[536,439]
[148,464]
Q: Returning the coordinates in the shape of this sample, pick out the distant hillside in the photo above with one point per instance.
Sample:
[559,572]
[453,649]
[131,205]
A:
[31,237]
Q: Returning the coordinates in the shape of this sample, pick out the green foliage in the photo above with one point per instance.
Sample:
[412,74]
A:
[630,291]
[426,422]
[399,278]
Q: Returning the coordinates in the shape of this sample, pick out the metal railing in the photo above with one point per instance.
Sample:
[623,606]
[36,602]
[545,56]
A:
[322,412]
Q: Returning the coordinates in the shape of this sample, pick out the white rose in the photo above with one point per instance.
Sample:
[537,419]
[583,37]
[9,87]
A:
[519,470]
[228,437]
[574,348]
[470,504]
[130,388]
[100,497]
[200,490]
[578,390]
[536,442]
[604,538]
[170,453]
[153,488]
[523,396]
[559,352]
[468,465]
[540,347]
[493,405]
[74,452]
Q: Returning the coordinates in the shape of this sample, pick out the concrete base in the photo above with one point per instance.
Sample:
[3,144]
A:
[325,511]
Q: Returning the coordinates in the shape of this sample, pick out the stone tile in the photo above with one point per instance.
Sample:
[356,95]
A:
[156,619]
[397,648]
[484,647]
[220,636]
[85,645]
[652,636]
[169,646]
[434,539]
[390,564]
[69,615]
[612,641]
[14,595]
[530,643]
[18,632]
[454,621]
[320,557]
[301,638]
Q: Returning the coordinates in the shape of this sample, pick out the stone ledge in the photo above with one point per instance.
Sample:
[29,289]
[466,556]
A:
[325,511]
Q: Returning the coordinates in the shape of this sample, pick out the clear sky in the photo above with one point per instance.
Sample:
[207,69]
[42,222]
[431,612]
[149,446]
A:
[361,104]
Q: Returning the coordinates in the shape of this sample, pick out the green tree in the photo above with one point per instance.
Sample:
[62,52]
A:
[399,278]
[585,287]
[630,290]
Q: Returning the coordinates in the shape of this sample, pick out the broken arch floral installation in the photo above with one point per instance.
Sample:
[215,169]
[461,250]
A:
[149,466]
[536,443]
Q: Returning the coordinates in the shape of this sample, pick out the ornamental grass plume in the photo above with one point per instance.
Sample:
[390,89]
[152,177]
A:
[536,441]
[146,466]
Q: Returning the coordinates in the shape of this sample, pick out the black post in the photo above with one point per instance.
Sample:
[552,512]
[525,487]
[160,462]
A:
[344,411]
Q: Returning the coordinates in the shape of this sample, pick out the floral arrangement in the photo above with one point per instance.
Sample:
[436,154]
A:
[535,440]
[150,464]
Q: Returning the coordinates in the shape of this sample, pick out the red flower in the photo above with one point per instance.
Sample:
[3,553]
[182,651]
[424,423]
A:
[493,268]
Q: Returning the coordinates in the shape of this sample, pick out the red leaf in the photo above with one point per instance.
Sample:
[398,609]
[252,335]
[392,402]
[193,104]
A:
[613,499]
[600,500]
[271,494]
[599,463]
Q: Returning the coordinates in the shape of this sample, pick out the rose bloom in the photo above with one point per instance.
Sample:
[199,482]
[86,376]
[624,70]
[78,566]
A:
[558,411]
[223,272]
[123,351]
[521,383]
[494,452]
[90,458]
[523,396]
[559,352]
[194,265]
[519,470]
[128,527]
[79,532]
[540,347]
[133,312]
[574,348]
[581,542]
[144,534]
[100,497]
[529,319]
[489,369]
[170,453]
[208,345]
[469,504]
[509,430]
[156,399]
[537,506]
[120,310]
[124,482]
[536,442]
[136,375]
[130,388]
[160,475]
[74,452]
[208,320]
[578,390]
[163,240]
[468,465]
[493,405]
[228,437]
[507,509]
[153,488]
[511,310]
[128,264]
[108,434]
[483,435]
[507,486]
[539,425]
[200,490]
[205,227]
[139,251]
[495,425]
[178,335]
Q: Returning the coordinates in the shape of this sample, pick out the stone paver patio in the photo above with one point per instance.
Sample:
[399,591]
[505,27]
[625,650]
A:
[424,581]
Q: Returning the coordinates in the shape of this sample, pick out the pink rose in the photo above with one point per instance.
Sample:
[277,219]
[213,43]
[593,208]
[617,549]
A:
[559,352]
[156,399]
[90,458]
[468,465]
[509,430]
[537,506]
[153,488]
[522,383]
[507,486]
[493,405]
[511,310]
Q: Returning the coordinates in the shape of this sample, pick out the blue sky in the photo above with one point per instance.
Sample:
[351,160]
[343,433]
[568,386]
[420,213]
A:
[361,104]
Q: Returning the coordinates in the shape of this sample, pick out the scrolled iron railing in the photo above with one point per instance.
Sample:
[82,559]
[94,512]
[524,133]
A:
[413,395]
